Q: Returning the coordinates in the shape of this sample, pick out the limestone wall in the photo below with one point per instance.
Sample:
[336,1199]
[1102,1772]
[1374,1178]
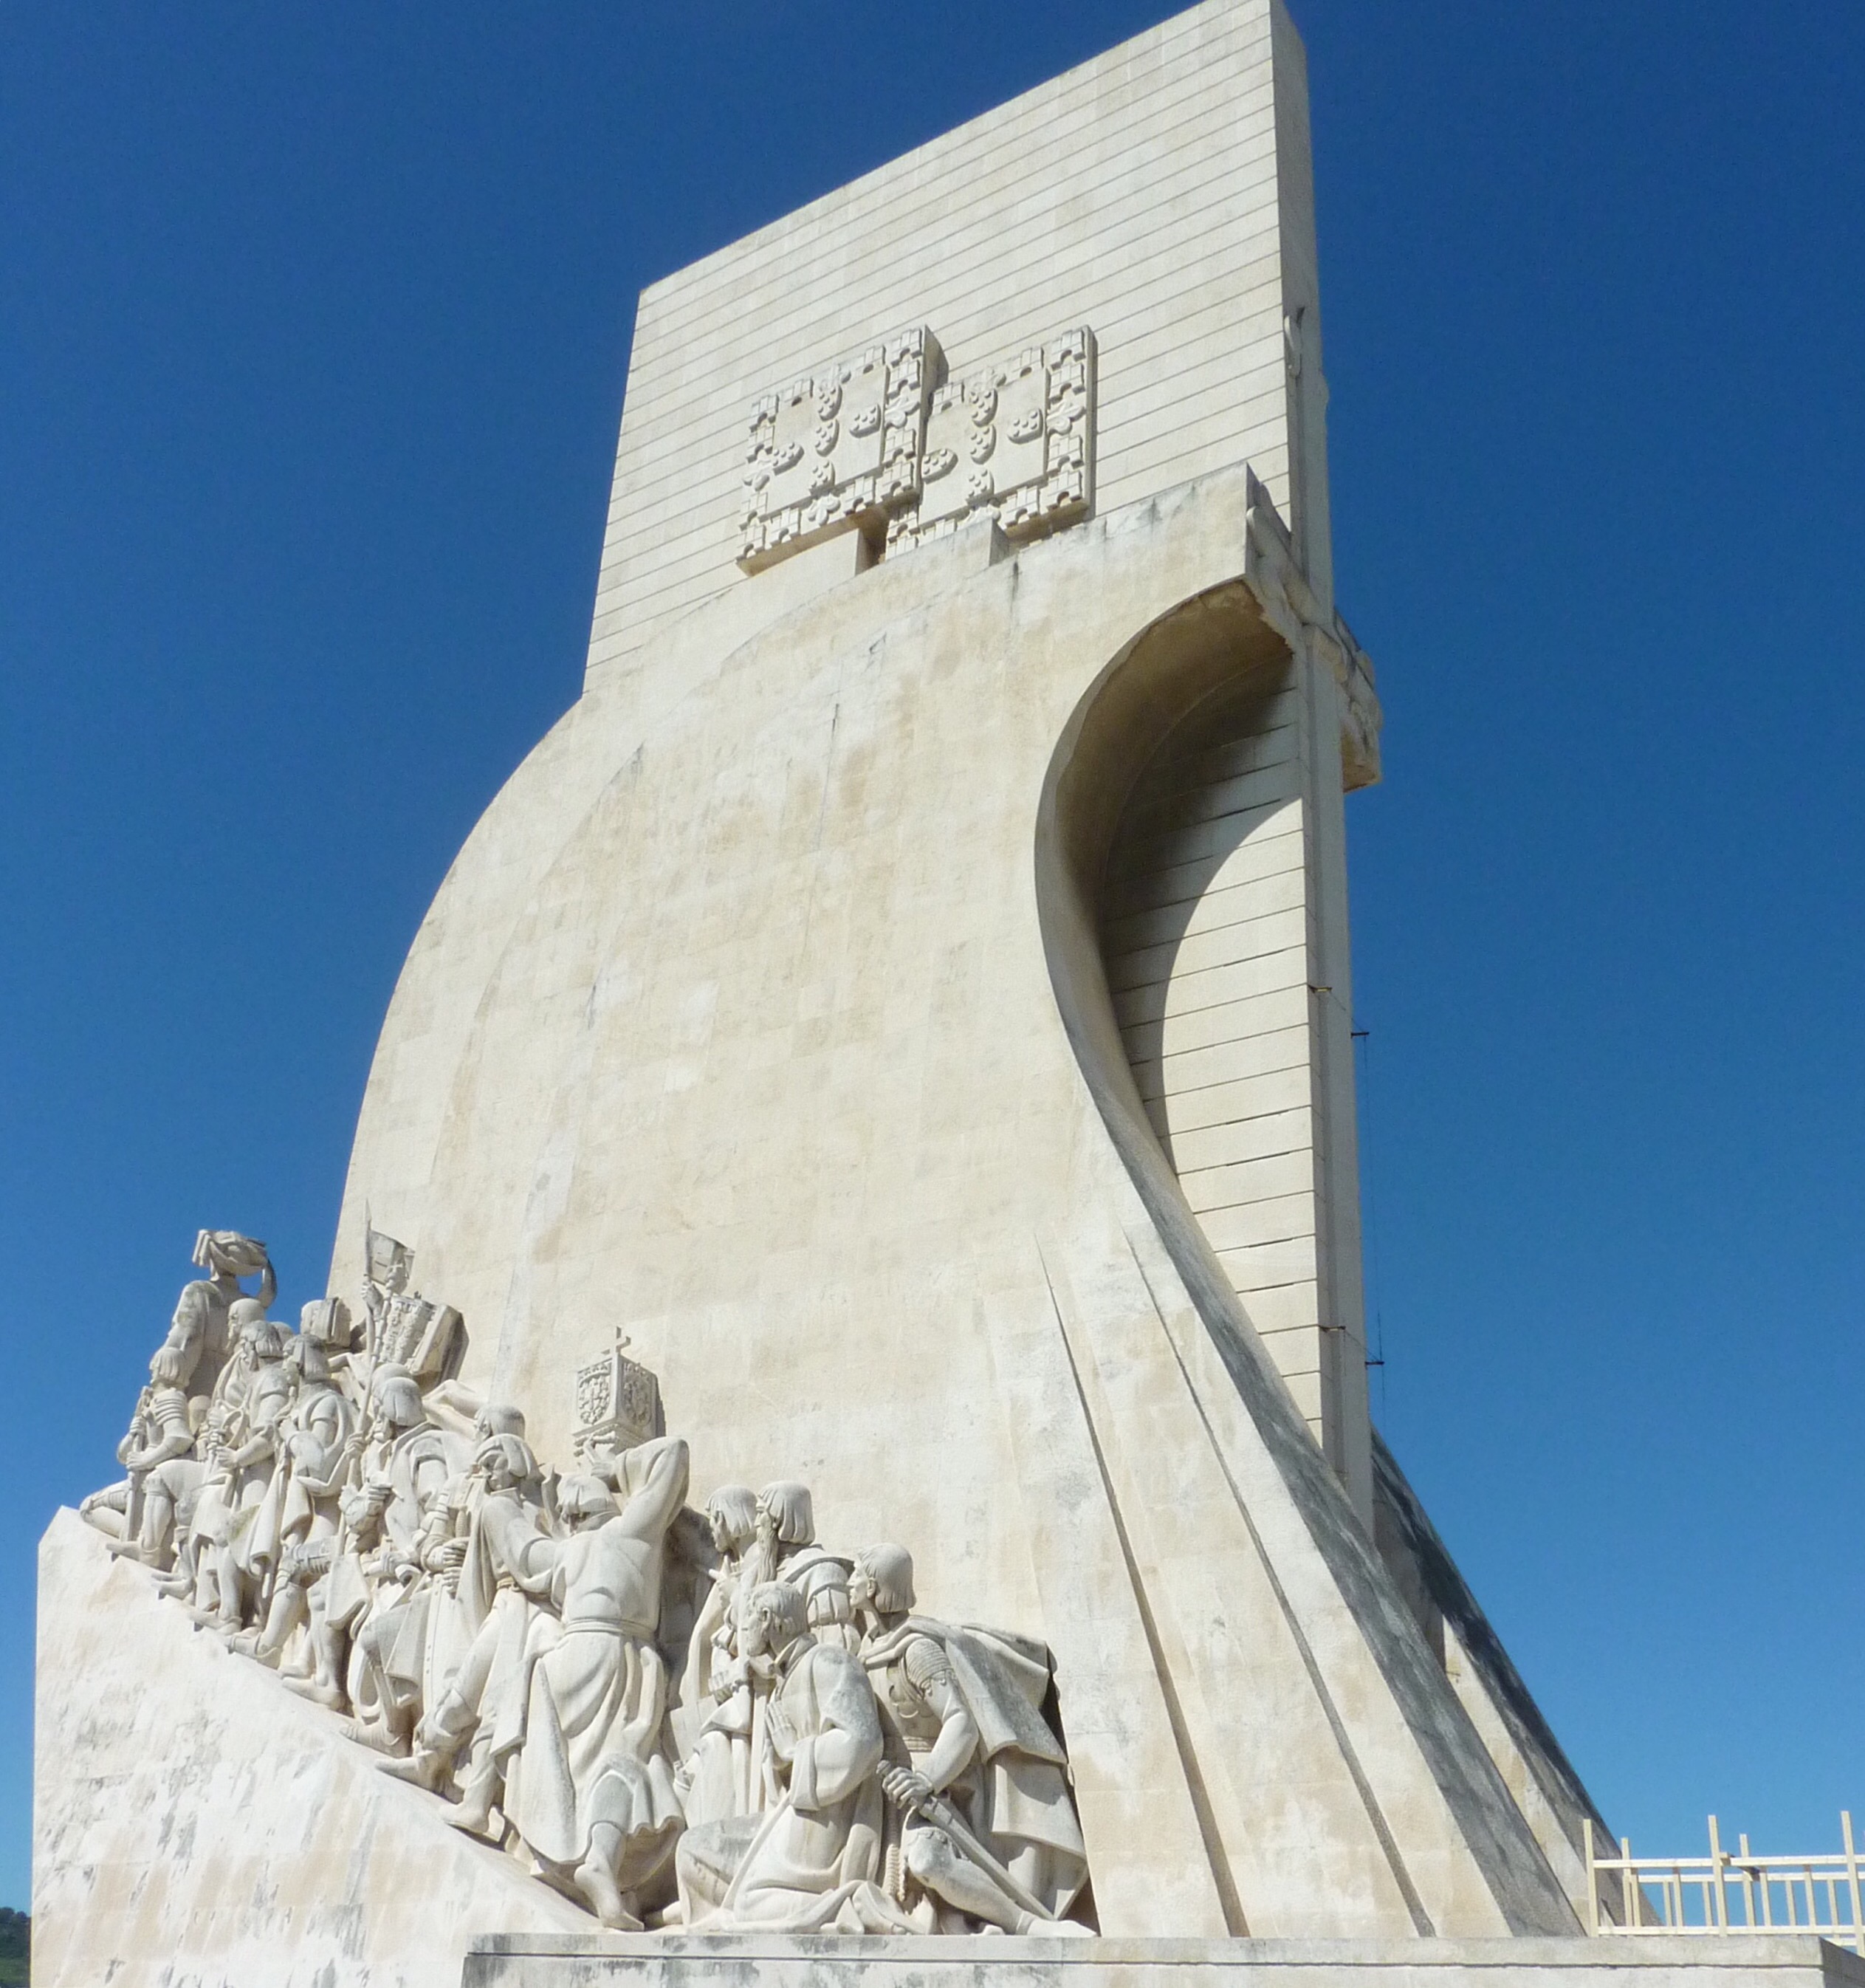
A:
[1139,193]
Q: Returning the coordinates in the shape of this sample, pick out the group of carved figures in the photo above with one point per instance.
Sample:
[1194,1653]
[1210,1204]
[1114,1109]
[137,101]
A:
[676,1718]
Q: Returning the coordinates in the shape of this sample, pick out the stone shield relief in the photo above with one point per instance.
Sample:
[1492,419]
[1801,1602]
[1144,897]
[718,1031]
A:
[877,443]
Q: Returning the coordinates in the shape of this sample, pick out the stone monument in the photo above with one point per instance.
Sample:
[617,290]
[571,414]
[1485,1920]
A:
[889,1045]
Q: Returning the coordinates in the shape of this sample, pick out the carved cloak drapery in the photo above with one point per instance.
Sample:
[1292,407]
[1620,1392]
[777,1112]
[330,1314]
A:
[813,1858]
[1023,1785]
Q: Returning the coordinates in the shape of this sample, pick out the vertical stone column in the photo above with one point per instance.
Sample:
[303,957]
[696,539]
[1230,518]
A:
[1309,518]
[1347,1434]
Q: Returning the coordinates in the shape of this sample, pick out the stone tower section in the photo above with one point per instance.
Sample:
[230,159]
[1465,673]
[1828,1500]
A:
[1157,204]
[1224,935]
[909,993]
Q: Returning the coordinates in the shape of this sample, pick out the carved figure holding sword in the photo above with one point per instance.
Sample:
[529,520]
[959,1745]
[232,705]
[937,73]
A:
[986,1825]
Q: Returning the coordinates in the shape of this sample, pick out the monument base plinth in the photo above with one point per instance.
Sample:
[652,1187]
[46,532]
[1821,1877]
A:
[194,1823]
[597,1960]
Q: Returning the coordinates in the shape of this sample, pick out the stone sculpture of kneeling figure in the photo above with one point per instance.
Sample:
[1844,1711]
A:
[976,1780]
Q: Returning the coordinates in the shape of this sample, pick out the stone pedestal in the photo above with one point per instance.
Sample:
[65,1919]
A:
[529,1961]
[194,1823]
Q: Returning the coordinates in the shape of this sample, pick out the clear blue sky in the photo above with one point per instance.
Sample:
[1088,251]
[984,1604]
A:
[313,326]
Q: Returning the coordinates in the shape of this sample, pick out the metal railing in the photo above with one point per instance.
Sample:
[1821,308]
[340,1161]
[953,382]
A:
[1726,1892]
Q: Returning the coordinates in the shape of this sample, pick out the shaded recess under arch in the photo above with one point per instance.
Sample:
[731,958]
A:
[1183,804]
[1177,893]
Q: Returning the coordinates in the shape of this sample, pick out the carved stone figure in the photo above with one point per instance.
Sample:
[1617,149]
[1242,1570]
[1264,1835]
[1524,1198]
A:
[407,1649]
[360,1569]
[238,1506]
[786,1550]
[809,1862]
[590,1790]
[139,1512]
[198,1336]
[976,1780]
[502,1580]
[387,1659]
[336,1505]
[715,1717]
[315,1456]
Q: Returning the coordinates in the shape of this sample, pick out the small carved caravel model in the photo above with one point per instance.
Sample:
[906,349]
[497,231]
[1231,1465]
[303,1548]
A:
[675,1718]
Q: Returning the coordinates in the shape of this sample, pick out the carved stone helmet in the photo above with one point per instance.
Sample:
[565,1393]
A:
[169,1368]
[253,1335]
[268,1337]
[327,1321]
[229,1254]
[307,1353]
[398,1396]
[791,1513]
[890,1569]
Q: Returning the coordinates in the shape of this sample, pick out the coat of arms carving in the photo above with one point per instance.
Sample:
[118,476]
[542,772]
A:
[880,444]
